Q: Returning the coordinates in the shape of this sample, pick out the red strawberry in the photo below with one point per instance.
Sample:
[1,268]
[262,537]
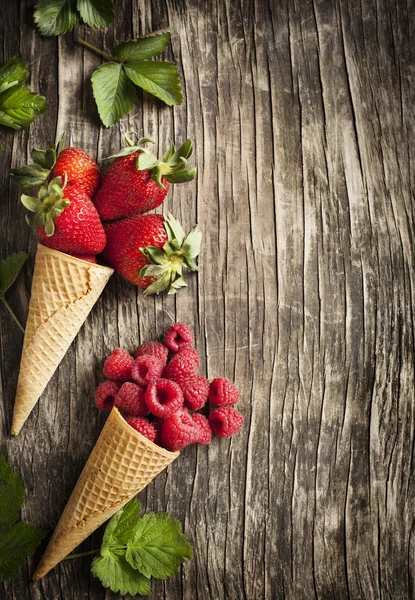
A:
[80,169]
[87,257]
[151,251]
[136,182]
[66,219]
[73,163]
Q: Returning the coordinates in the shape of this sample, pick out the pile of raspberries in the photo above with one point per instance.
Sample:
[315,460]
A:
[158,397]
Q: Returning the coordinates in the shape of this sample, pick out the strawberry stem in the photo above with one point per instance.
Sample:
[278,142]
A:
[9,308]
[96,50]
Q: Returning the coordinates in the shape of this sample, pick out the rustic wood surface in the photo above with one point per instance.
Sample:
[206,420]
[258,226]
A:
[303,119]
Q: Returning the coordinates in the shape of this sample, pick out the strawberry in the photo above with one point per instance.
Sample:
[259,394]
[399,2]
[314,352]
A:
[151,251]
[136,182]
[65,219]
[73,163]
[80,169]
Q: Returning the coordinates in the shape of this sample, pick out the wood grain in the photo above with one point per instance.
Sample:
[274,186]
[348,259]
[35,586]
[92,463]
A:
[302,114]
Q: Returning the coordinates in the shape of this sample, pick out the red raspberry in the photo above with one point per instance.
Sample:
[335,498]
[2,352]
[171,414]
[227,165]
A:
[223,392]
[163,397]
[195,392]
[182,366]
[178,431]
[142,426]
[225,421]
[130,400]
[105,394]
[179,337]
[118,365]
[205,434]
[146,368]
[153,349]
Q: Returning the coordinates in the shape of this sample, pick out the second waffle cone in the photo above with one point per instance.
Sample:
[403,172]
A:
[121,464]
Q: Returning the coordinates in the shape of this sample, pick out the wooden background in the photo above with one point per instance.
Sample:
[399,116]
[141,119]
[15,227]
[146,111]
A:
[303,119]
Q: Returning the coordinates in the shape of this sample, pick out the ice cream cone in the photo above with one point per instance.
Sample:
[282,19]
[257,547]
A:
[121,464]
[64,290]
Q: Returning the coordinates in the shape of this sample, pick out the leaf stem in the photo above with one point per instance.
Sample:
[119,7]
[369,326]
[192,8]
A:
[96,50]
[9,308]
[79,554]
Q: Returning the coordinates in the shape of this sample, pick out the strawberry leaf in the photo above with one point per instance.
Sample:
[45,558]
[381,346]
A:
[143,48]
[113,92]
[16,544]
[10,268]
[29,177]
[161,79]
[96,13]
[17,540]
[55,17]
[19,106]
[11,487]
[12,73]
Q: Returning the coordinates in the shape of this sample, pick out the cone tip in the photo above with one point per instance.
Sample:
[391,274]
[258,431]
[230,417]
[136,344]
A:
[15,428]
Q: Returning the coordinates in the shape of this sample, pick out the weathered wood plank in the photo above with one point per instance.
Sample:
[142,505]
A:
[302,114]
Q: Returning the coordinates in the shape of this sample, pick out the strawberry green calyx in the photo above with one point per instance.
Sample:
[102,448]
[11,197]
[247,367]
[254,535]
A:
[48,205]
[36,174]
[171,167]
[169,262]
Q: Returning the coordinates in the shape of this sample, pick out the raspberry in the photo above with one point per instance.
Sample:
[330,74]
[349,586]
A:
[195,392]
[142,426]
[178,431]
[146,368]
[153,349]
[205,432]
[179,337]
[225,421]
[118,365]
[182,366]
[163,397]
[223,392]
[130,400]
[105,394]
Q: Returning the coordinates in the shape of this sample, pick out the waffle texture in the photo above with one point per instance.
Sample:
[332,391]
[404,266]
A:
[64,290]
[121,464]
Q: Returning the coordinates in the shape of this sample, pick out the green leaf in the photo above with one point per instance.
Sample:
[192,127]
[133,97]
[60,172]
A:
[11,487]
[16,544]
[184,152]
[191,245]
[19,106]
[161,79]
[96,13]
[29,177]
[158,546]
[12,73]
[121,525]
[55,17]
[143,48]
[181,176]
[146,161]
[32,203]
[113,92]
[10,268]
[61,144]
[115,573]
[158,286]
[155,255]
[174,229]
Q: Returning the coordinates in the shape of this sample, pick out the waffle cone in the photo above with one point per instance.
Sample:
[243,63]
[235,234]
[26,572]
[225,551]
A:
[122,463]
[64,290]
